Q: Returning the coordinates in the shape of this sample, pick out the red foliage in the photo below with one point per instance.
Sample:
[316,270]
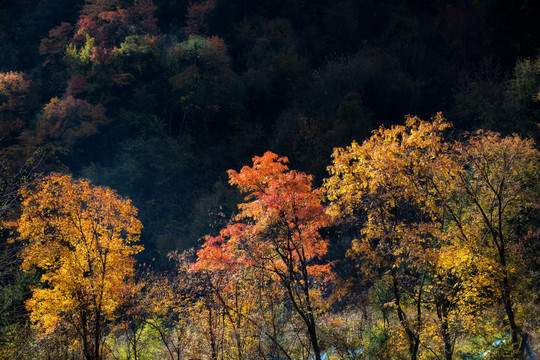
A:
[277,231]
[110,25]
[278,227]
[197,14]
[54,46]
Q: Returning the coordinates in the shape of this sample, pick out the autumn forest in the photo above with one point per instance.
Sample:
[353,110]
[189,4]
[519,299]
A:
[278,180]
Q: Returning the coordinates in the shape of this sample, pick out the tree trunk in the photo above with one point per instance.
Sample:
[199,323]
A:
[448,348]
[412,338]
[508,303]
[507,297]
[97,337]
[313,337]
[212,339]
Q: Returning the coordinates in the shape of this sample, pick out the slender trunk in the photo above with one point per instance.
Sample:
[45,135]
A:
[507,297]
[412,338]
[442,314]
[302,308]
[508,303]
[418,324]
[84,333]
[448,349]
[211,334]
[311,324]
[97,337]
[135,340]
[309,320]
[313,337]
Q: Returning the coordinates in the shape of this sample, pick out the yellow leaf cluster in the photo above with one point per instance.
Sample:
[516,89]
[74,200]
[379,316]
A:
[82,237]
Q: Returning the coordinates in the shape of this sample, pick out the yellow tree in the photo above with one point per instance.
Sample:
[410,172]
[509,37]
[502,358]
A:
[81,238]
[402,178]
[440,218]
[390,177]
[500,182]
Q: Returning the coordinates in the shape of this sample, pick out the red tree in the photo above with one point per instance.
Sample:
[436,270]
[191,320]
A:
[277,230]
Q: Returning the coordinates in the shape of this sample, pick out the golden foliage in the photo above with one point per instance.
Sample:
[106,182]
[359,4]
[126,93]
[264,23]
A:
[441,217]
[81,237]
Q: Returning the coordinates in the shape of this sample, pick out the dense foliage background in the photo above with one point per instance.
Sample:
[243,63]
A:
[158,99]
[164,97]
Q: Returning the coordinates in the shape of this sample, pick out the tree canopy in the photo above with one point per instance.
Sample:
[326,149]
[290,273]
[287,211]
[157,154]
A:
[82,238]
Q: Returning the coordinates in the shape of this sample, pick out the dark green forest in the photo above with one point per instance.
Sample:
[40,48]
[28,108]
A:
[159,99]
